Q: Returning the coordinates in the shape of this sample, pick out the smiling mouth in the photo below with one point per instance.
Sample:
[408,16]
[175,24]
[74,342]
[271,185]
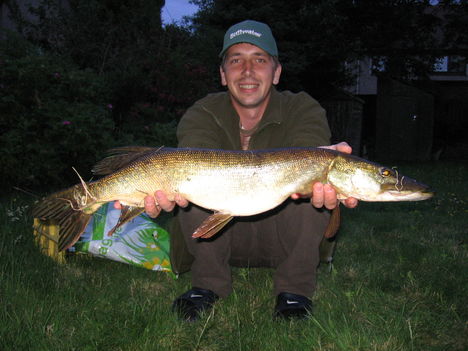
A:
[248,86]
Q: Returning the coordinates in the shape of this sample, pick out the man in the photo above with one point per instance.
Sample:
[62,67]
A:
[252,114]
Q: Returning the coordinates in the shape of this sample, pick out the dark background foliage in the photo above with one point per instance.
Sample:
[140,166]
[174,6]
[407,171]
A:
[79,77]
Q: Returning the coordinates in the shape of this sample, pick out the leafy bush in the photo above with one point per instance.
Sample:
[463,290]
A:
[54,116]
[154,73]
[89,76]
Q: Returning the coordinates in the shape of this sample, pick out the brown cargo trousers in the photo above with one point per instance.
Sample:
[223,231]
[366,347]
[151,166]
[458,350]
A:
[286,238]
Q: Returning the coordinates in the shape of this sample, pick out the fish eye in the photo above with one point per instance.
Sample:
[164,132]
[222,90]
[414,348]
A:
[385,172]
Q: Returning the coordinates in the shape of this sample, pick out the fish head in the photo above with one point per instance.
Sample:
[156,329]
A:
[355,177]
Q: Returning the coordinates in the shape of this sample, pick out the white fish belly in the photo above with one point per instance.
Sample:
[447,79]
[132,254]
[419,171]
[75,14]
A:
[239,194]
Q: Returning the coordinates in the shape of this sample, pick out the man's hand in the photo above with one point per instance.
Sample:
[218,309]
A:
[159,202]
[325,194]
[341,147]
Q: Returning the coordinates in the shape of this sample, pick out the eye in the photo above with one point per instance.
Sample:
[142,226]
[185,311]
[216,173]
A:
[385,172]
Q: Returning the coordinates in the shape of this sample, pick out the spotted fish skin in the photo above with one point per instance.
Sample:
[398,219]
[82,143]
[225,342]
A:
[231,183]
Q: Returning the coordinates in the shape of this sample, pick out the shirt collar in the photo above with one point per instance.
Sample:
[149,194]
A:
[228,117]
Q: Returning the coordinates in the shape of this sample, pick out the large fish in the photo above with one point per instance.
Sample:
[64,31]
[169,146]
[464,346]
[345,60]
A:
[231,183]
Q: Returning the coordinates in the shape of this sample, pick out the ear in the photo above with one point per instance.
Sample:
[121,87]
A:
[223,76]
[277,74]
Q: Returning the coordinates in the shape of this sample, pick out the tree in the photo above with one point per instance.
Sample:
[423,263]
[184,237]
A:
[124,41]
[92,75]
[316,38]
[300,28]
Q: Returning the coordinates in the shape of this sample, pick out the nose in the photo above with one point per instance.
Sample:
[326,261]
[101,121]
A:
[247,69]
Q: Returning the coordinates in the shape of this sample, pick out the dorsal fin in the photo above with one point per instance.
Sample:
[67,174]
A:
[121,157]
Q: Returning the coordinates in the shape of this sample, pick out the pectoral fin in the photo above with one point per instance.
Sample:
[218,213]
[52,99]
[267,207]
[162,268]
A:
[212,225]
[127,214]
[334,223]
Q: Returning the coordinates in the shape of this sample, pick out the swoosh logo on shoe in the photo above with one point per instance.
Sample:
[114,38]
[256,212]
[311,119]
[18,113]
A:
[289,302]
[192,296]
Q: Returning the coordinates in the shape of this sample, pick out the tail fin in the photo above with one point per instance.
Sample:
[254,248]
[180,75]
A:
[65,208]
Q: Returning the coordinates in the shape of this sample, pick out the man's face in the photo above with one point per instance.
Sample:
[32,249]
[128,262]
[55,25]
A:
[249,73]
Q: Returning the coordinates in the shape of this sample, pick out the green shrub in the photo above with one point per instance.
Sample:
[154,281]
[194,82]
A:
[83,78]
[54,116]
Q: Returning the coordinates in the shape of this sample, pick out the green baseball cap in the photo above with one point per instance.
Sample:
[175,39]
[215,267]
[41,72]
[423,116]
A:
[252,32]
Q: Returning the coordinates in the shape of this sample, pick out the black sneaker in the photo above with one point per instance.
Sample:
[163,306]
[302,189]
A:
[290,306]
[190,305]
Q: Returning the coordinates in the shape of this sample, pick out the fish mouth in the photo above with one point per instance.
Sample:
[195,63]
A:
[408,189]
[411,195]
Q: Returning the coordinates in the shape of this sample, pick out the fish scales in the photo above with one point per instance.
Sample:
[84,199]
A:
[240,183]
[231,183]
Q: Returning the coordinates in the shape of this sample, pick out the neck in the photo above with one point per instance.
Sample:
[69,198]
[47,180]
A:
[250,116]
[250,120]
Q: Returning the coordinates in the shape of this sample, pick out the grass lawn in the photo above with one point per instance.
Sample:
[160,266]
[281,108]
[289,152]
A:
[399,282]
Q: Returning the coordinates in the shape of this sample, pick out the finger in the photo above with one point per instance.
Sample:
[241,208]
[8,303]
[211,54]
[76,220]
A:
[117,205]
[350,202]
[329,195]
[295,196]
[317,195]
[181,201]
[151,207]
[341,147]
[163,201]
[344,147]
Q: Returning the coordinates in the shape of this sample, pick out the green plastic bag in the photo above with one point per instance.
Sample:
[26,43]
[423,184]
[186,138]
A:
[141,242]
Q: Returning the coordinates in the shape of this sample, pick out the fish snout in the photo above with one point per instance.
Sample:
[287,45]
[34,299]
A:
[409,187]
